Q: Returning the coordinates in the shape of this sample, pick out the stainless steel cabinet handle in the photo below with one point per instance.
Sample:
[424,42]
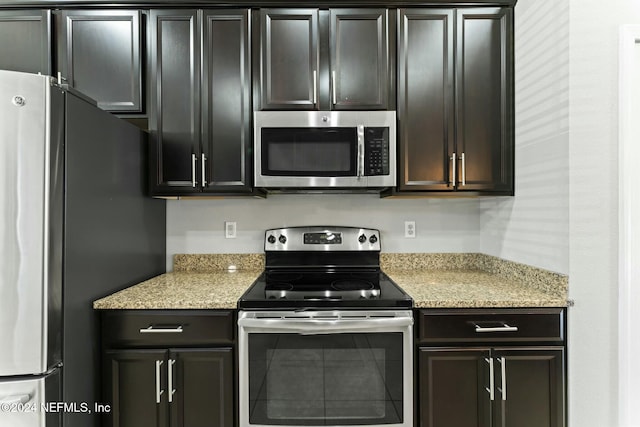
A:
[503,368]
[151,330]
[491,379]
[204,173]
[464,170]
[170,388]
[315,87]
[193,170]
[333,87]
[453,172]
[159,390]
[503,328]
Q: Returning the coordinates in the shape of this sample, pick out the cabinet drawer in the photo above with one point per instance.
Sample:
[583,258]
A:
[150,328]
[508,325]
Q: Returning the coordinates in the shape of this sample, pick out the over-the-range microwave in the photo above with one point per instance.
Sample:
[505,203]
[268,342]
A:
[325,149]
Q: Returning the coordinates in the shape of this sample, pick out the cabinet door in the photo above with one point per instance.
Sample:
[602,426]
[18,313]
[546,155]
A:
[289,65]
[425,99]
[226,106]
[484,99]
[359,59]
[204,387]
[174,117]
[530,387]
[135,385]
[100,56]
[25,41]
[453,387]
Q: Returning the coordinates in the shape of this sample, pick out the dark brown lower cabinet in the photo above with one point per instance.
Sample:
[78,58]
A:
[176,387]
[491,387]
[168,368]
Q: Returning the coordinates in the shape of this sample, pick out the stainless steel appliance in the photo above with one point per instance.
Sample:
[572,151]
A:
[75,225]
[324,336]
[325,149]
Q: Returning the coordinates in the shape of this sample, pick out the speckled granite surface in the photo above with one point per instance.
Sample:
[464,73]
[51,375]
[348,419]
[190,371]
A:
[220,289]
[432,280]
[487,268]
[216,262]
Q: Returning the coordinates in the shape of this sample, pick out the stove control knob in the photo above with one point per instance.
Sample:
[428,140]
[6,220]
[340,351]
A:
[362,238]
[373,239]
[271,239]
[282,239]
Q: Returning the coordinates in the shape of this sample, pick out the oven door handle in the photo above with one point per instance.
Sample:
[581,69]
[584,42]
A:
[317,327]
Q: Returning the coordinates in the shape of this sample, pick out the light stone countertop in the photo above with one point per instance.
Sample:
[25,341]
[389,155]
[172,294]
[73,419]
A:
[467,289]
[180,290]
[433,280]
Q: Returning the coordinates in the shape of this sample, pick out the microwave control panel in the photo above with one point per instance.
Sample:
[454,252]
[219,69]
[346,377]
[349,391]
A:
[376,151]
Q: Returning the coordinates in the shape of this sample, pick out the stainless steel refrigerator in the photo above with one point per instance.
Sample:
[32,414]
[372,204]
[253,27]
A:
[75,225]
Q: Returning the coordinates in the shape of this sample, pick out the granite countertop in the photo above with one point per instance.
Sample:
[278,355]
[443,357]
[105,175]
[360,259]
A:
[433,280]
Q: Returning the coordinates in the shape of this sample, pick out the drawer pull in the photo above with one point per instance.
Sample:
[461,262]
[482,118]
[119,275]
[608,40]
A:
[152,330]
[503,328]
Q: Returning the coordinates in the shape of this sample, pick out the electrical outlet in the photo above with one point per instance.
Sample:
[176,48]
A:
[410,229]
[230,229]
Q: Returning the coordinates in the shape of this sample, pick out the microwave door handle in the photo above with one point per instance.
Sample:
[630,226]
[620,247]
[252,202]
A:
[360,165]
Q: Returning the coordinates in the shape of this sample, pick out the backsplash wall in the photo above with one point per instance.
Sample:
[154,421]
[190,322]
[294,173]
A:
[443,225]
[533,227]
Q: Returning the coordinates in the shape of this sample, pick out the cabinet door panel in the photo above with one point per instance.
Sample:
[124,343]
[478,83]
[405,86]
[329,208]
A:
[174,119]
[25,41]
[101,57]
[204,388]
[425,98]
[359,58]
[226,107]
[484,99]
[290,58]
[452,386]
[534,388]
[130,388]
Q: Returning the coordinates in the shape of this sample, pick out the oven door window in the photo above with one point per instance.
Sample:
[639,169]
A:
[333,379]
[309,151]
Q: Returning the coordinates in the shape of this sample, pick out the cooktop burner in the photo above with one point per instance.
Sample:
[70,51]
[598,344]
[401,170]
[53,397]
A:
[316,267]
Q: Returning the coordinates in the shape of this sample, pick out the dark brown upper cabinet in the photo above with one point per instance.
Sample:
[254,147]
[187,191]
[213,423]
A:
[25,41]
[200,117]
[100,55]
[316,59]
[455,100]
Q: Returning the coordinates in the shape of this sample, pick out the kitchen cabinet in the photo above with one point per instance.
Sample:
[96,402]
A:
[491,368]
[100,55]
[455,100]
[155,376]
[317,59]
[200,118]
[25,41]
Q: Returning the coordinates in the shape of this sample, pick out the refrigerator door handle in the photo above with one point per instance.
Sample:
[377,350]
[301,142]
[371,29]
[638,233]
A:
[15,399]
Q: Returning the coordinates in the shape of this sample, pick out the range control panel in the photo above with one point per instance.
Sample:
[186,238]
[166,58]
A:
[322,238]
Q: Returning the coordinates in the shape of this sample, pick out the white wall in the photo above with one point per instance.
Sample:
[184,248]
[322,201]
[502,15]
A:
[443,225]
[533,226]
[560,45]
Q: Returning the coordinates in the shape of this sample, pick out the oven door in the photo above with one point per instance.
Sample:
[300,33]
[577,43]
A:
[336,368]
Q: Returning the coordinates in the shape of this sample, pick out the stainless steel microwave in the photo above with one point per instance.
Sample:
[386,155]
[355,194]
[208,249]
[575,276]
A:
[325,149]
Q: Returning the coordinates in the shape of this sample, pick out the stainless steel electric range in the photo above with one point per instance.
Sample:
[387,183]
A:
[324,336]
